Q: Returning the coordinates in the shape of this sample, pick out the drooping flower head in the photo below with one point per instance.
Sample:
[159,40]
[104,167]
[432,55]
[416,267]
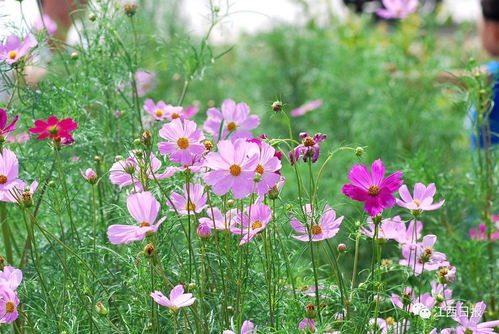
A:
[184,141]
[178,298]
[422,256]
[14,50]
[473,324]
[308,149]
[9,170]
[254,220]
[233,120]
[144,208]
[397,9]
[326,228]
[8,305]
[267,169]
[55,129]
[232,168]
[247,328]
[307,107]
[372,188]
[422,199]
[192,201]
[4,127]
[45,22]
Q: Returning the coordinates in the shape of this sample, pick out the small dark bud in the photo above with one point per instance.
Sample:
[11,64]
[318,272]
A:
[277,106]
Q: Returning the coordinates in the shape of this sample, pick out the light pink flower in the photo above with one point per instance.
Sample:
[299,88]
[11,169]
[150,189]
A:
[409,236]
[144,208]
[381,326]
[183,141]
[232,168]
[473,324]
[388,229]
[10,277]
[178,298]
[442,296]
[397,9]
[9,170]
[14,50]
[422,199]
[407,300]
[190,202]
[267,168]
[218,221]
[327,227]
[423,256]
[481,234]
[146,81]
[190,112]
[233,120]
[247,328]
[157,110]
[255,219]
[372,187]
[307,107]
[307,325]
[8,305]
[18,192]
[45,22]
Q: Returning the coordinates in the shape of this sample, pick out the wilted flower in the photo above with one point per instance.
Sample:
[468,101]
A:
[422,200]
[4,128]
[397,9]
[184,141]
[45,22]
[13,49]
[327,227]
[192,201]
[308,149]
[255,219]
[302,110]
[55,129]
[178,298]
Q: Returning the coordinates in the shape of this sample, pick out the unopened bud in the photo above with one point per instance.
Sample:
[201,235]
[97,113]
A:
[2,262]
[192,285]
[277,106]
[342,248]
[51,184]
[92,17]
[101,309]
[359,151]
[74,55]
[149,250]
[130,9]
[118,158]
[203,230]
[310,311]
[440,298]
[273,193]
[390,321]
[27,199]
[97,158]
[137,142]
[146,138]
[230,203]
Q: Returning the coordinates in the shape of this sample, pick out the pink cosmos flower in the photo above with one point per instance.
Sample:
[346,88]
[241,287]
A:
[472,324]
[302,110]
[203,230]
[218,221]
[90,175]
[247,328]
[255,219]
[190,202]
[9,170]
[144,208]
[408,299]
[481,234]
[388,229]
[20,138]
[190,111]
[409,236]
[397,9]
[233,120]
[8,305]
[10,277]
[178,298]
[183,141]
[4,128]
[146,81]
[267,168]
[327,227]
[14,50]
[233,168]
[422,200]
[45,22]
[54,128]
[161,111]
[19,192]
[308,149]
[423,256]
[372,188]
[388,326]
[307,325]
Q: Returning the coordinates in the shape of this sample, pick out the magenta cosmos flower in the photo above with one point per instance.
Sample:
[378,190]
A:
[422,199]
[233,120]
[232,168]
[422,256]
[397,9]
[307,107]
[178,298]
[8,305]
[190,202]
[481,233]
[267,169]
[4,127]
[247,328]
[13,49]
[183,141]
[308,149]
[327,227]
[473,324]
[372,188]
[216,220]
[54,129]
[9,170]
[254,220]
[45,22]
[161,111]
[144,208]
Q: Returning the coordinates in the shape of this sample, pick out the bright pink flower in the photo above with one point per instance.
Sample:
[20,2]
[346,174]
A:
[247,328]
[178,298]
[302,110]
[54,128]
[146,81]
[327,227]
[233,167]
[4,128]
[372,188]
[218,221]
[308,149]
[388,229]
[9,170]
[13,49]
[157,110]
[472,324]
[183,141]
[255,219]
[45,22]
[10,277]
[423,256]
[233,120]
[8,305]
[267,168]
[397,9]
[190,202]
[422,200]
[481,234]
[409,236]
[144,208]
[307,325]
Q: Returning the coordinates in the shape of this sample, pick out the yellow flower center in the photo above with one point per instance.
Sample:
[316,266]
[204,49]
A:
[428,251]
[158,113]
[175,115]
[190,206]
[3,179]
[208,145]
[390,321]
[53,129]
[235,170]
[316,229]
[144,224]
[259,169]
[231,126]
[183,143]
[373,191]
[418,203]
[12,55]
[10,307]
[256,225]
[309,141]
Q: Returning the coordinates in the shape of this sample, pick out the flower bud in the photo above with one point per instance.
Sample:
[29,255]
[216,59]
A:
[130,9]
[51,184]
[208,145]
[386,263]
[26,198]
[2,262]
[149,250]
[439,298]
[359,151]
[101,309]
[191,285]
[92,17]
[118,113]
[74,55]
[203,230]
[273,193]
[277,106]
[230,203]
[310,311]
[146,138]
[342,248]
[90,175]
[137,142]
[97,158]
[390,321]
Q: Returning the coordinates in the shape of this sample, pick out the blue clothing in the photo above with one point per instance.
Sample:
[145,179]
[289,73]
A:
[493,68]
